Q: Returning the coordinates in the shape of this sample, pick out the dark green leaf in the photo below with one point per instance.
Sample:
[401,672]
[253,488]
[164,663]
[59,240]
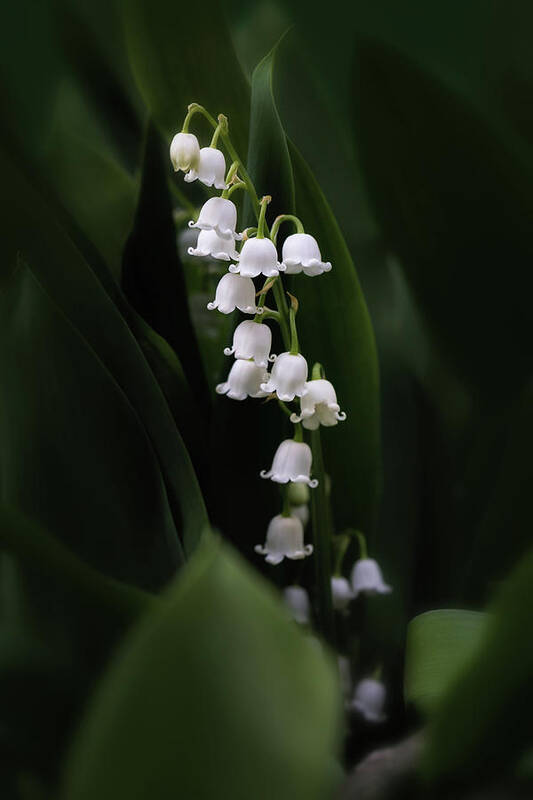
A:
[439,646]
[216,694]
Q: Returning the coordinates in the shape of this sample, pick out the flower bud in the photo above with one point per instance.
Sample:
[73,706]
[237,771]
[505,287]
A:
[298,494]
[234,292]
[302,512]
[284,539]
[366,578]
[184,152]
[318,406]
[300,253]
[210,169]
[292,462]
[251,340]
[341,592]
[258,257]
[297,601]
[244,380]
[288,377]
[369,700]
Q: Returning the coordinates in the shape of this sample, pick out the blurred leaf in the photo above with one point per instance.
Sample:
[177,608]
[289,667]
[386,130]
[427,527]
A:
[483,722]
[216,694]
[68,280]
[456,205]
[176,64]
[439,646]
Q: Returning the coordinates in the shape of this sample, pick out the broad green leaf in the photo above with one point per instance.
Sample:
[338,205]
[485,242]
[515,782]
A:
[175,66]
[483,722]
[215,694]
[69,281]
[440,645]
[455,204]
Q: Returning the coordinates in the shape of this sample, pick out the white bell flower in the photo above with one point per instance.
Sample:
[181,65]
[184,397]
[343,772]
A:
[288,377]
[297,601]
[341,592]
[284,539]
[184,152]
[234,292]
[301,253]
[302,512]
[252,340]
[369,700]
[258,257]
[319,406]
[211,244]
[244,380]
[366,578]
[210,169]
[292,462]
[218,214]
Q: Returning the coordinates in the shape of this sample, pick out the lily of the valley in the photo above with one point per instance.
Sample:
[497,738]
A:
[366,578]
[184,152]
[210,169]
[252,340]
[292,462]
[318,406]
[284,539]
[300,253]
[211,244]
[220,215]
[288,377]
[244,380]
[234,292]
[341,592]
[297,601]
[258,257]
[369,700]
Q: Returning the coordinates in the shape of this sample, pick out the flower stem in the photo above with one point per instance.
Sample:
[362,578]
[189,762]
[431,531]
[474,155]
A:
[322,544]
[342,543]
[363,551]
[281,303]
[318,372]
[262,216]
[295,346]
[285,218]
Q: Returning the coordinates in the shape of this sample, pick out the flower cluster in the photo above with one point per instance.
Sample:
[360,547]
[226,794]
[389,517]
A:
[256,372]
[252,253]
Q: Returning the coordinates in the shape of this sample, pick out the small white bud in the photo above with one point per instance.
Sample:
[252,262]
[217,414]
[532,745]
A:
[184,152]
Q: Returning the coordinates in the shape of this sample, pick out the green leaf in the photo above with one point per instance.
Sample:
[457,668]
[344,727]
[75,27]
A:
[439,646]
[483,723]
[175,66]
[454,203]
[85,304]
[216,694]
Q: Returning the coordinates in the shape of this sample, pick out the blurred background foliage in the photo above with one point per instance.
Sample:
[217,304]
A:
[415,121]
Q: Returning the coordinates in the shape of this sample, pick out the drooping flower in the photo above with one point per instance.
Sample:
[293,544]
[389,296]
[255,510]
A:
[297,601]
[319,406]
[218,214]
[244,380]
[292,462]
[366,578]
[210,169]
[284,539]
[369,700]
[252,340]
[288,377]
[184,152]
[234,292]
[301,511]
[301,253]
[258,257]
[211,244]
[341,592]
